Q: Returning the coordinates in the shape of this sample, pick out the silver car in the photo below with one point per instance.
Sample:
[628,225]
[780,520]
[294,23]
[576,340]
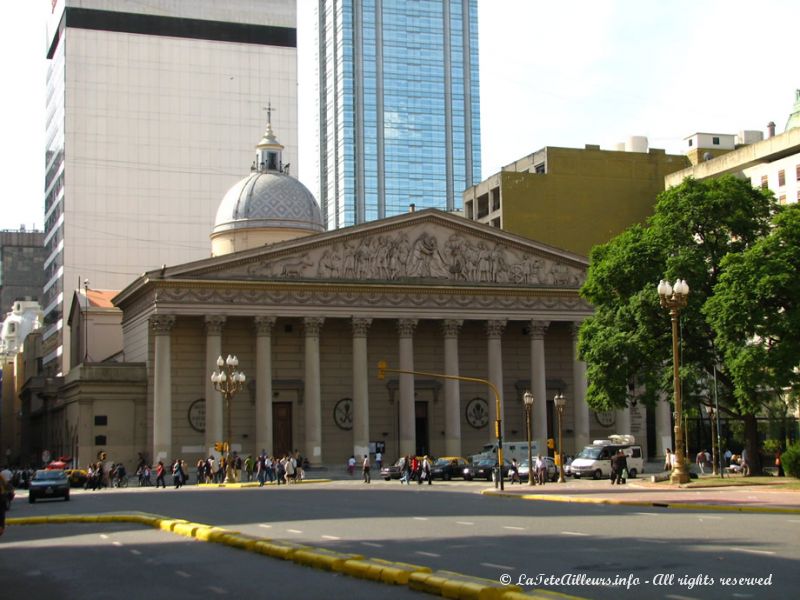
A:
[552,469]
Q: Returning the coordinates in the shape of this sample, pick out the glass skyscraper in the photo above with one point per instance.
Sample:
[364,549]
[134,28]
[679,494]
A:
[399,106]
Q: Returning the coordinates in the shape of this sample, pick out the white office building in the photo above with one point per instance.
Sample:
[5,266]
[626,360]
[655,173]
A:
[151,110]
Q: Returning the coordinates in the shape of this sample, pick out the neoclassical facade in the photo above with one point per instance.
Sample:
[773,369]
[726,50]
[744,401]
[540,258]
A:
[310,318]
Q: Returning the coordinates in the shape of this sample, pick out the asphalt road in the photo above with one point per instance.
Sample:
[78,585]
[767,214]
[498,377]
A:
[593,551]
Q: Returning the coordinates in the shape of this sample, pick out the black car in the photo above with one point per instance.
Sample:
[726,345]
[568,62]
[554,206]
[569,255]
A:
[449,467]
[50,483]
[483,468]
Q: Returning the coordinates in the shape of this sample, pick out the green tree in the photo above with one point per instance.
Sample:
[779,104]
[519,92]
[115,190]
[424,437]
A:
[755,313]
[628,339]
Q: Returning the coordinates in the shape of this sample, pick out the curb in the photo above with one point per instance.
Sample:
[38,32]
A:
[255,484]
[440,583]
[646,503]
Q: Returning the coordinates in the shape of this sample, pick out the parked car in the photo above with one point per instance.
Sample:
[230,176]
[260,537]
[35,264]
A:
[392,471]
[449,467]
[77,477]
[48,484]
[483,468]
[552,469]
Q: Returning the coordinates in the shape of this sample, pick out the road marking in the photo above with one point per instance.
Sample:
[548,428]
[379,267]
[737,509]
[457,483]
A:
[372,544]
[103,536]
[136,552]
[514,528]
[183,574]
[265,526]
[433,554]
[794,521]
[574,533]
[217,590]
[750,551]
[645,514]
[117,544]
[330,537]
[494,566]
[33,573]
[703,518]
[420,518]
[294,531]
[465,523]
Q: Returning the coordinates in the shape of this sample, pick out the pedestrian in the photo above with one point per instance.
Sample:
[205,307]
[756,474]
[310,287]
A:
[351,465]
[261,470]
[541,470]
[745,463]
[619,468]
[177,473]
[414,469]
[426,470]
[249,465]
[728,454]
[700,459]
[515,471]
[779,463]
[668,460]
[365,469]
[378,460]
[405,469]
[5,488]
[160,475]
[201,471]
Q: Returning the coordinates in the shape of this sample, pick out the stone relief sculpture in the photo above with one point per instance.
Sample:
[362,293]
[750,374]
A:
[393,256]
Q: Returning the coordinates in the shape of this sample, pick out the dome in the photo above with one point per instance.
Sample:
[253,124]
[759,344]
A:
[268,199]
[265,207]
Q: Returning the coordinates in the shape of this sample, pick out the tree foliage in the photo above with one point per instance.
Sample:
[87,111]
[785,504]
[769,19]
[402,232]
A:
[628,340]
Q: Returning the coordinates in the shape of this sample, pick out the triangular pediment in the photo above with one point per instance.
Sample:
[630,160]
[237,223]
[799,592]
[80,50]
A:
[425,247]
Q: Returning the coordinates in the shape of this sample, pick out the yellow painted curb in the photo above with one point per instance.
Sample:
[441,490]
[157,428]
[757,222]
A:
[376,569]
[279,549]
[462,587]
[538,594]
[320,558]
[646,503]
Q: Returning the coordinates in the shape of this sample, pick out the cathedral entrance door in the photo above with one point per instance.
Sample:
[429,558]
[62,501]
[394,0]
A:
[281,428]
[421,413]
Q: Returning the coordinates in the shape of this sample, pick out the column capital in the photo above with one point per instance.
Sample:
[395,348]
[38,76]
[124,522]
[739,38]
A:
[538,329]
[361,326]
[214,324]
[313,325]
[495,328]
[264,325]
[405,327]
[451,327]
[162,324]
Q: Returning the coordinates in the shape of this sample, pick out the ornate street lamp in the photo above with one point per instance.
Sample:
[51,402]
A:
[675,299]
[228,381]
[560,403]
[527,397]
[711,415]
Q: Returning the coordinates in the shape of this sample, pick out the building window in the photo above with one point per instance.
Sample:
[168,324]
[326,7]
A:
[798,172]
[781,177]
[100,440]
[691,143]
[764,182]
[715,141]
[782,199]
[100,420]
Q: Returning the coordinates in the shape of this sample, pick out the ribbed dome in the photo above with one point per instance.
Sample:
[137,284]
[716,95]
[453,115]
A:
[268,199]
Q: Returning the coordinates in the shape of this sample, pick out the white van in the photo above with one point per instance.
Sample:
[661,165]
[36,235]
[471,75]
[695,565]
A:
[511,450]
[595,460]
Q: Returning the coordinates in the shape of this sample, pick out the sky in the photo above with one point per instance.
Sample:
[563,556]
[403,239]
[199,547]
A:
[552,73]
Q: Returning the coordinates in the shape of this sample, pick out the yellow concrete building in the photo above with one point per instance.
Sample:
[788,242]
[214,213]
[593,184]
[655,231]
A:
[573,198]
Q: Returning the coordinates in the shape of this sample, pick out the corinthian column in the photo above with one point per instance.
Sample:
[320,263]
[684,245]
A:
[264,327]
[214,324]
[161,326]
[407,423]
[360,387]
[313,392]
[539,384]
[494,333]
[579,385]
[452,397]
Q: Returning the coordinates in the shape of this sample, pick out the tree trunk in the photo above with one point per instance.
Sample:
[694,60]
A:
[751,443]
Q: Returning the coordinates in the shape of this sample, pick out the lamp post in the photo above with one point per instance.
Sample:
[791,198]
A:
[227,381]
[86,322]
[527,398]
[714,464]
[560,403]
[675,299]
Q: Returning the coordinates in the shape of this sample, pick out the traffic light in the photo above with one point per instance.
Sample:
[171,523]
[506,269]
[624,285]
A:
[551,443]
[382,369]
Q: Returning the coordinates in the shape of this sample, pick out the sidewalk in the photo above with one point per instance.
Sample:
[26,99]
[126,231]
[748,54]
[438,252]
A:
[640,492]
